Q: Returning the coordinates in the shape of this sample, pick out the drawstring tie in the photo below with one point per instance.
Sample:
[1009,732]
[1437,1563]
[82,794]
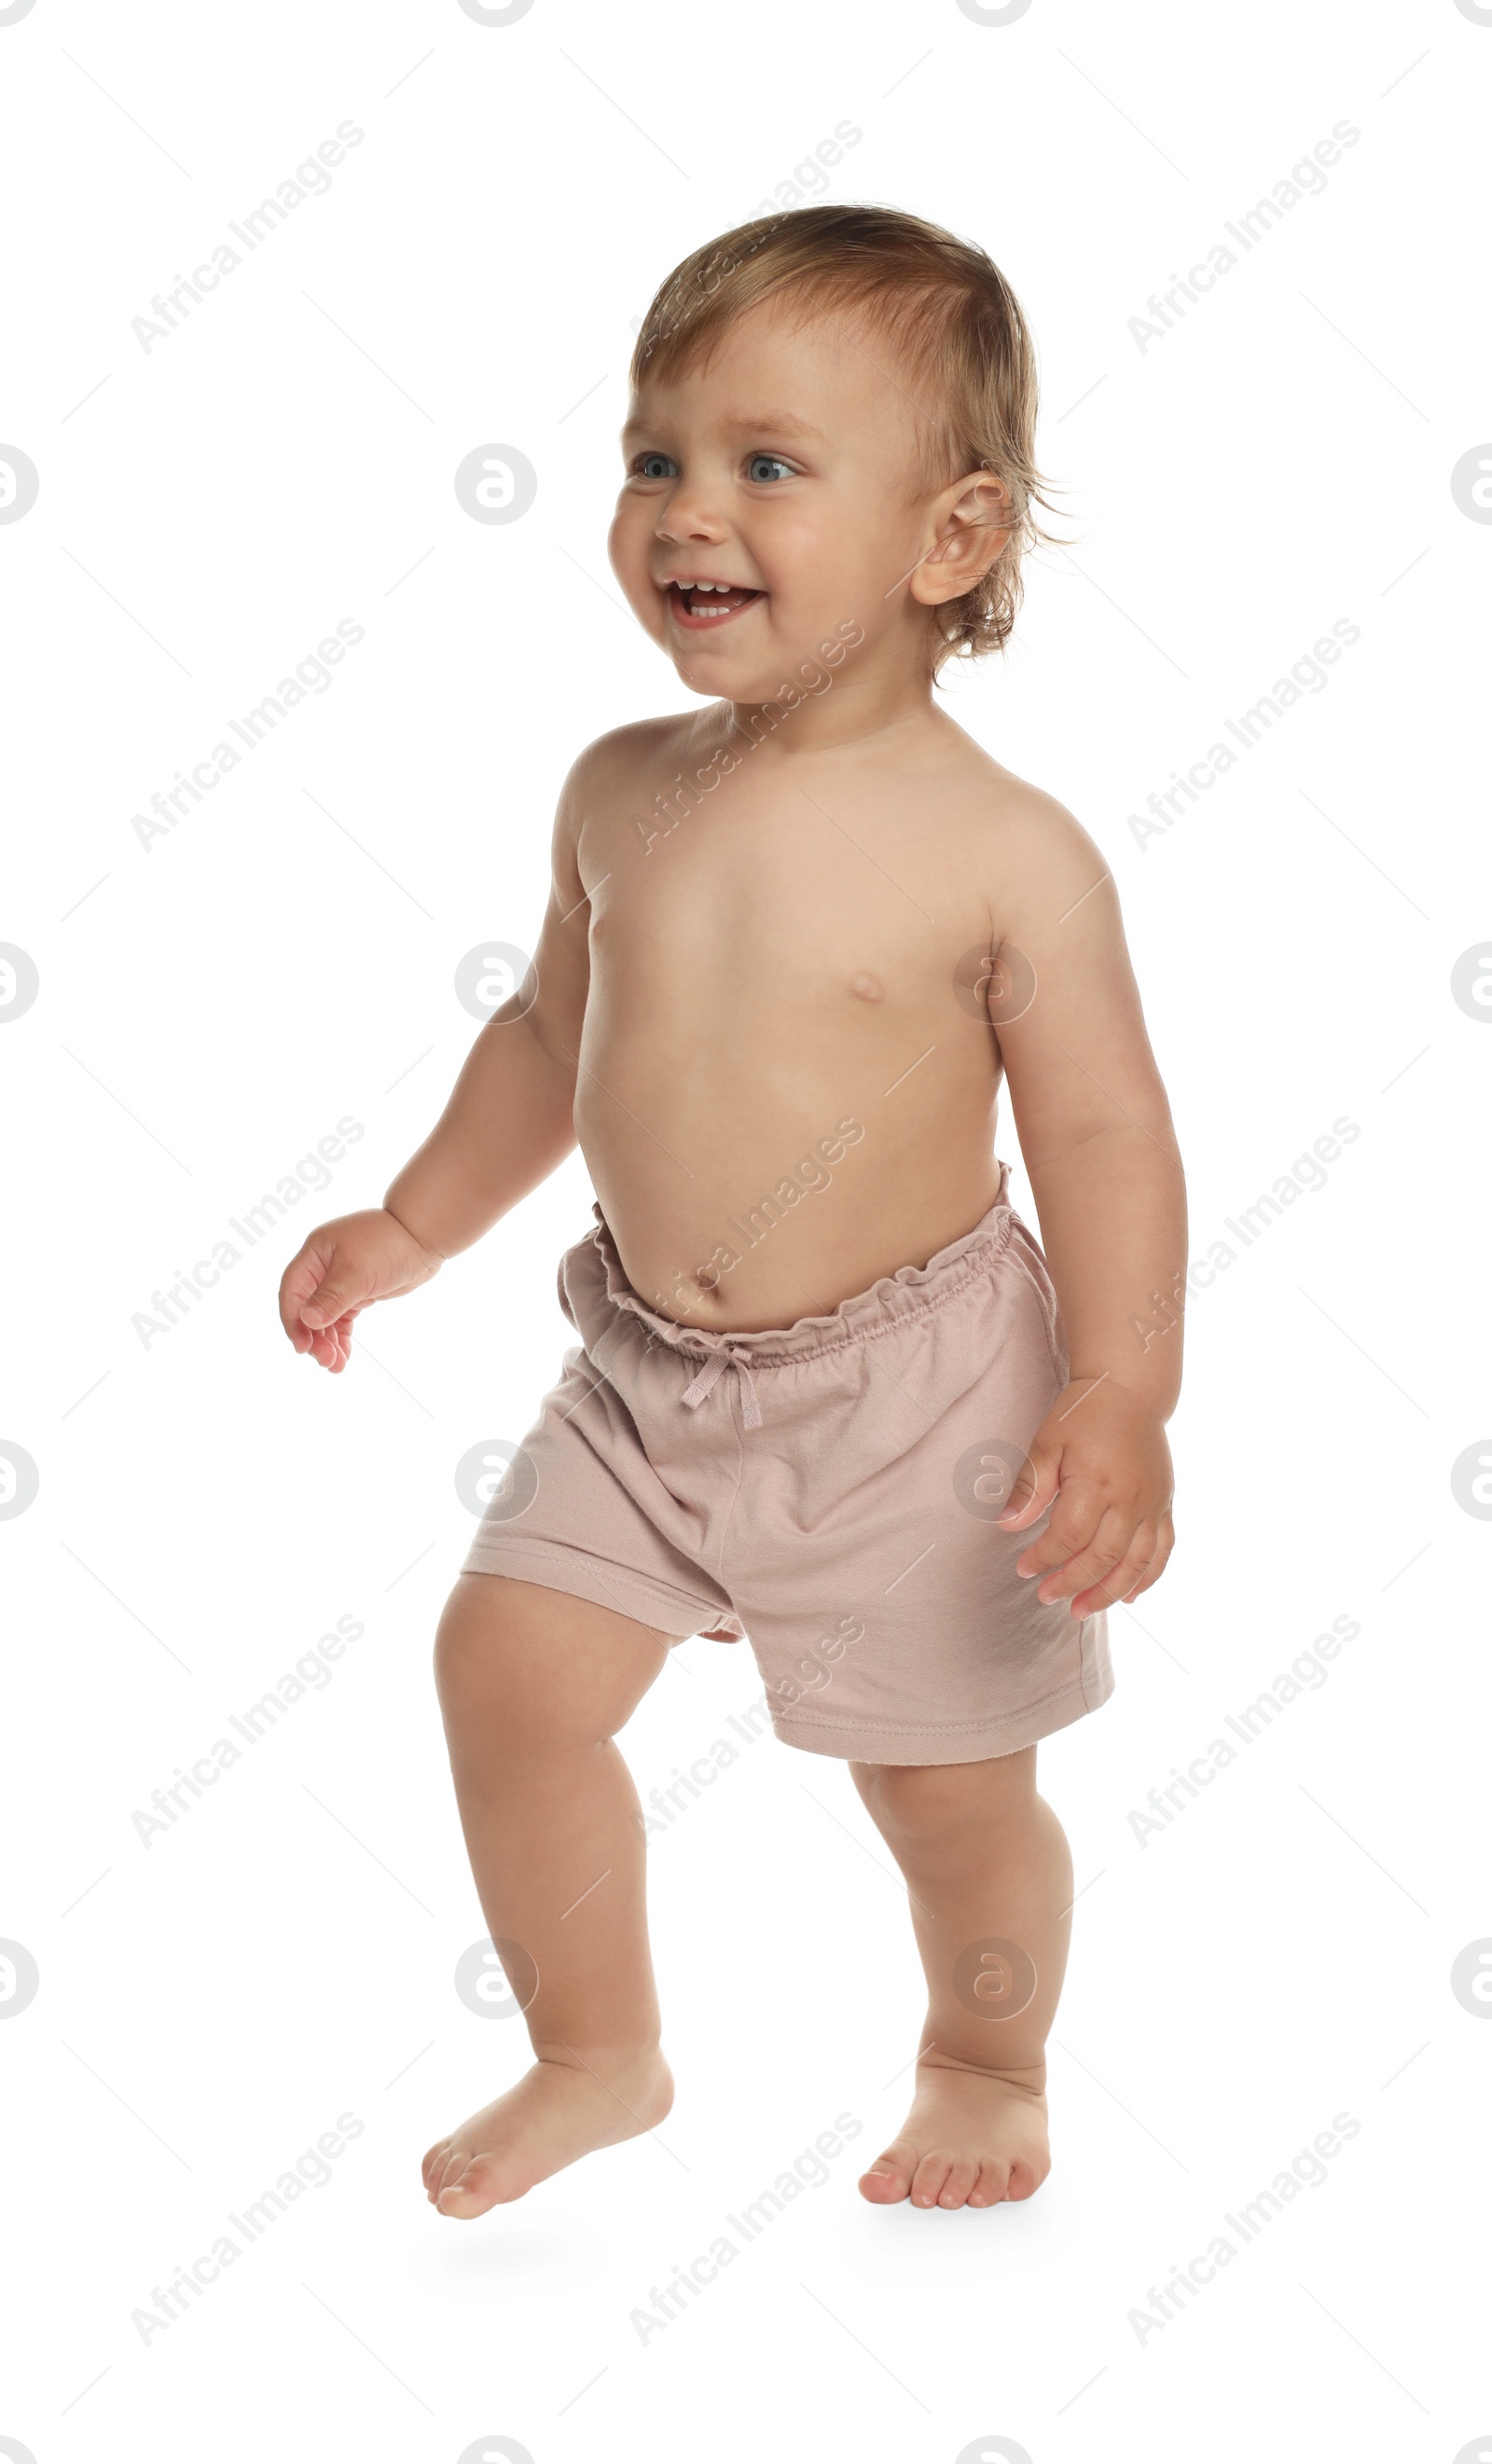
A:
[695,1393]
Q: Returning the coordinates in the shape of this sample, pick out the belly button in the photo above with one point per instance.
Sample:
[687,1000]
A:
[867,987]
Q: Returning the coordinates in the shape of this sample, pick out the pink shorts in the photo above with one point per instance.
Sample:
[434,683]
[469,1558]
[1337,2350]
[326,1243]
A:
[828,1490]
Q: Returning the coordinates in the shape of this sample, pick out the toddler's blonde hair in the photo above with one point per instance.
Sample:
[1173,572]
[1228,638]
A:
[963,350]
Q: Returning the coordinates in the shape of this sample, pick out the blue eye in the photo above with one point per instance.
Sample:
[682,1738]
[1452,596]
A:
[655,466]
[774,463]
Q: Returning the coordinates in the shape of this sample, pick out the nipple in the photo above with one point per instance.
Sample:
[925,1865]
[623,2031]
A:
[867,987]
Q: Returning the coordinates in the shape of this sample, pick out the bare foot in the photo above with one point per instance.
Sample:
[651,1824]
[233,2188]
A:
[972,2137]
[558,2111]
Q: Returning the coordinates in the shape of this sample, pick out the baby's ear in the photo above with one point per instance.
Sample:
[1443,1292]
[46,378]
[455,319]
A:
[973,518]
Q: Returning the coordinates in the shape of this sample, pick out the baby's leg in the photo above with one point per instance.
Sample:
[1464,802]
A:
[986,1864]
[532,1683]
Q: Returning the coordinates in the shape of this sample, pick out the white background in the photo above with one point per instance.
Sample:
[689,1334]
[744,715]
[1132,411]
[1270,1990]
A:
[209,509]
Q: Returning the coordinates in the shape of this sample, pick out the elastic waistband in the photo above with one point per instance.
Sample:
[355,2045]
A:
[908,1293]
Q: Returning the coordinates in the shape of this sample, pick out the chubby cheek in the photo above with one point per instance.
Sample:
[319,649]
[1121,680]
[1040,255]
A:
[821,572]
[870,563]
[627,546]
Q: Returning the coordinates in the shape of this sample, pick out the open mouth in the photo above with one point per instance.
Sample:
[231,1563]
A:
[699,606]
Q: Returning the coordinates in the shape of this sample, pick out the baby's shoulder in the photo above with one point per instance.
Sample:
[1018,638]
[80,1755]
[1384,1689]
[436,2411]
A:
[1026,820]
[620,761]
[1025,841]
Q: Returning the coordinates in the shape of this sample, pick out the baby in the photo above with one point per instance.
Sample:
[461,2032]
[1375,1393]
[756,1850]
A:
[829,1395]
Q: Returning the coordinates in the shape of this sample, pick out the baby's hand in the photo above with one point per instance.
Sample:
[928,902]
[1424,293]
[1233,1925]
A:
[1101,1452]
[343,1266]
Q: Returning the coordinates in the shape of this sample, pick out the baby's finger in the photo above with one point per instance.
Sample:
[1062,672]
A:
[1122,1578]
[1157,1564]
[338,1336]
[1074,1524]
[1031,1492]
[338,1293]
[298,1283]
[1090,1562]
[331,1346]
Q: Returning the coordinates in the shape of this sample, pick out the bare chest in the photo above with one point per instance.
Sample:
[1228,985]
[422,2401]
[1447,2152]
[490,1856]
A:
[780,911]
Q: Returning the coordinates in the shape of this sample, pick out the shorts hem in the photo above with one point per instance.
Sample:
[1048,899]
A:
[955,1740]
[559,1569]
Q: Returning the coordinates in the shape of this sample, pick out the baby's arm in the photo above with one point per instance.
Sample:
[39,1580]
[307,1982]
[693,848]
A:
[509,1122]
[1099,1150]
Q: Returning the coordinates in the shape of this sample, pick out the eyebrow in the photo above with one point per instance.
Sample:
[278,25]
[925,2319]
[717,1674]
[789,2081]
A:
[776,423]
[770,423]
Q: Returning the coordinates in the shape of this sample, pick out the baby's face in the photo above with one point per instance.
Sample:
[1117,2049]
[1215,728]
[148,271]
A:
[783,473]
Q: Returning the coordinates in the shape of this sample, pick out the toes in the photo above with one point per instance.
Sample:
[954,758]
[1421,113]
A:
[889,2177]
[992,2185]
[478,2185]
[962,2175]
[432,2164]
[460,2199]
[453,2195]
[927,2182]
[1025,2179]
[446,2176]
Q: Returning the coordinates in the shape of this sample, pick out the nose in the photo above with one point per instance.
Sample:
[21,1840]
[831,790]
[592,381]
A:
[691,512]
